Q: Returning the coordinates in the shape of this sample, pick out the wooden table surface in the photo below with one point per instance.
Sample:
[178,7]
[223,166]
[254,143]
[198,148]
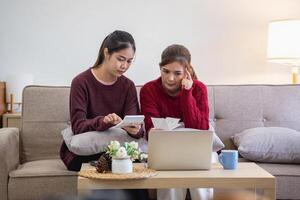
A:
[248,175]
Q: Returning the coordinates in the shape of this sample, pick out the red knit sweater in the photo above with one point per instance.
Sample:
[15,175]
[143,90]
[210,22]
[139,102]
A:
[191,106]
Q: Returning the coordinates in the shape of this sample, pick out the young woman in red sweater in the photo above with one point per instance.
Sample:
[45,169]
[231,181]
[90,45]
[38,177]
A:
[177,93]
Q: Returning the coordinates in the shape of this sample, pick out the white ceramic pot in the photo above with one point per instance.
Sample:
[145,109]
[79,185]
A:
[121,165]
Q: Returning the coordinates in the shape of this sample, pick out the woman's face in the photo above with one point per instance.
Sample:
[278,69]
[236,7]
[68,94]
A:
[171,76]
[119,62]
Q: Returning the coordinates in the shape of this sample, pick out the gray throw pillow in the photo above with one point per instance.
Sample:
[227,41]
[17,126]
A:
[93,142]
[269,144]
[217,143]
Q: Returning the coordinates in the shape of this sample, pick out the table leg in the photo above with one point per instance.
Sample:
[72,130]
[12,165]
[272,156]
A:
[270,194]
[83,193]
[235,194]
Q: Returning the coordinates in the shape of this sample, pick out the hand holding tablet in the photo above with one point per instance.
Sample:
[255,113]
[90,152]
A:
[131,120]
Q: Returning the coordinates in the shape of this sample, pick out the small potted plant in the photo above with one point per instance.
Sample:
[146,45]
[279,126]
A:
[121,157]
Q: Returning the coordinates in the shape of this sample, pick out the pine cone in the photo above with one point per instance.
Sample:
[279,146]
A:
[104,163]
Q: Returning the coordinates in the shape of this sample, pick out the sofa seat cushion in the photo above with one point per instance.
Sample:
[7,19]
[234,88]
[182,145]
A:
[281,169]
[42,187]
[52,167]
[41,179]
[287,179]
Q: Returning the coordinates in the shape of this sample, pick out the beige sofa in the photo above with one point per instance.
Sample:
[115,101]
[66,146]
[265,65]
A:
[30,167]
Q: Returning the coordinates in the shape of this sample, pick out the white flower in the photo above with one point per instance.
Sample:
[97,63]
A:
[144,156]
[114,145]
[134,144]
[121,153]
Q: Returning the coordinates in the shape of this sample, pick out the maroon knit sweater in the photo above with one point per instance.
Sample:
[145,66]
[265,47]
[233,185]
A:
[90,101]
[191,106]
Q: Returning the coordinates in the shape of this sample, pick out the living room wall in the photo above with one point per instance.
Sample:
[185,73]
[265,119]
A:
[56,39]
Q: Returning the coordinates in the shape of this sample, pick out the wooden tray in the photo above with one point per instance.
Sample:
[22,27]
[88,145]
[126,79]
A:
[139,172]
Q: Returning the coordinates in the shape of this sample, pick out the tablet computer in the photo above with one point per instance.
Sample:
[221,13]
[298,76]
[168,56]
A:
[131,120]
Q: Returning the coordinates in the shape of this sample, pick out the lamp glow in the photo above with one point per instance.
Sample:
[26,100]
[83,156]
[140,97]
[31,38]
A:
[284,44]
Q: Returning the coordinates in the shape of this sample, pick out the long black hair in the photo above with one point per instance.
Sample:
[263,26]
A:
[114,42]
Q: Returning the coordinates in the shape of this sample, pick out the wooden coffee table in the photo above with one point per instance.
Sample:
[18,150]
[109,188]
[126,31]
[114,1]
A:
[248,175]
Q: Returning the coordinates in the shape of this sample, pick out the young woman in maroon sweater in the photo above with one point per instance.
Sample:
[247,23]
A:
[101,96]
[177,93]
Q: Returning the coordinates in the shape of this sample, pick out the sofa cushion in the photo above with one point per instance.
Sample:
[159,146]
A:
[37,180]
[45,168]
[93,142]
[42,187]
[217,142]
[45,113]
[239,107]
[269,144]
[277,169]
[287,179]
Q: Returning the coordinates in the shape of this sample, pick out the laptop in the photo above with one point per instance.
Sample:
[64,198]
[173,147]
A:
[180,150]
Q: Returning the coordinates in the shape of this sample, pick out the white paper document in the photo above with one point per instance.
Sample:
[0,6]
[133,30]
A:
[168,123]
[130,120]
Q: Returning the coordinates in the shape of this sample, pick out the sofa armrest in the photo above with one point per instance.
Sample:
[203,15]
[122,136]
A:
[9,156]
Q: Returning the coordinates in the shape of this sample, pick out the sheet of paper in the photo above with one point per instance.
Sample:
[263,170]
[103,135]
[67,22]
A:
[168,123]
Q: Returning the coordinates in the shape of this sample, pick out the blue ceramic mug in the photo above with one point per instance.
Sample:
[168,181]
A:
[229,159]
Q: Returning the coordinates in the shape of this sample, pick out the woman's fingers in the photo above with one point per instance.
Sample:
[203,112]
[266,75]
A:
[106,119]
[187,84]
[117,119]
[112,118]
[188,75]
